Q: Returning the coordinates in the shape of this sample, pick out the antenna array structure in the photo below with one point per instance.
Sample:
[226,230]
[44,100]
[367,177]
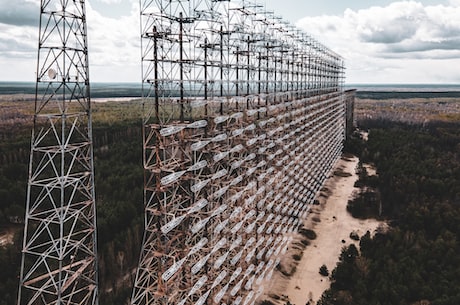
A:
[59,260]
[243,120]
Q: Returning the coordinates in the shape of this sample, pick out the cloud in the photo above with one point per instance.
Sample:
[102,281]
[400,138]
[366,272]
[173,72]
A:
[13,48]
[395,43]
[392,24]
[388,36]
[19,13]
[110,1]
[431,55]
[18,41]
[423,46]
[114,44]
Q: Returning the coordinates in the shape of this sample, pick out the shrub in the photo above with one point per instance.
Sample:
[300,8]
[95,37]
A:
[310,234]
[354,235]
[323,270]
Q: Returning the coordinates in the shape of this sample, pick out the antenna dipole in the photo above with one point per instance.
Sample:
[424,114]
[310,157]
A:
[59,261]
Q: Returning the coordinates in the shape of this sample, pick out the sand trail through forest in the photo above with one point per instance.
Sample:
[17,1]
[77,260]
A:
[333,225]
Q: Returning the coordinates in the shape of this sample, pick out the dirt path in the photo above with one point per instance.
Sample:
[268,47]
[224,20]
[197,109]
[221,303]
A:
[333,226]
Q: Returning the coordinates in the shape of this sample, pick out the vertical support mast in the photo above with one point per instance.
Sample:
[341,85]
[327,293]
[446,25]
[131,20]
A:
[59,260]
[181,64]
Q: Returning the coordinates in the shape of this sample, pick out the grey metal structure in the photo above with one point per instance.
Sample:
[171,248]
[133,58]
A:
[244,117]
[59,261]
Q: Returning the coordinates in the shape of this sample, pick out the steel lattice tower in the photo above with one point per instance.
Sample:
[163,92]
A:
[243,121]
[59,263]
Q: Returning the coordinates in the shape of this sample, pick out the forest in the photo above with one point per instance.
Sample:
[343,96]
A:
[119,182]
[418,260]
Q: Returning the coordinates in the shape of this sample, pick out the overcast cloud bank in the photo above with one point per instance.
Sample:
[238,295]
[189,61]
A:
[403,42]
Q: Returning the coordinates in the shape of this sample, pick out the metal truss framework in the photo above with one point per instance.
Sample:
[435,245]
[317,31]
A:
[244,117]
[59,263]
[350,110]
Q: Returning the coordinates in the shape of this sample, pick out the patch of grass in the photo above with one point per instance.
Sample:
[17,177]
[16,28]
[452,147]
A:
[287,273]
[354,235]
[342,174]
[310,234]
[323,270]
[297,257]
[298,245]
[274,296]
[267,302]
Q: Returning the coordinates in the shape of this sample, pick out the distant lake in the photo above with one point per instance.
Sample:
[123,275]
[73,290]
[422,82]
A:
[375,91]
[97,90]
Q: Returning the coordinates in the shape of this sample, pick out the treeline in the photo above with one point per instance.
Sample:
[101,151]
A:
[384,95]
[418,260]
[119,198]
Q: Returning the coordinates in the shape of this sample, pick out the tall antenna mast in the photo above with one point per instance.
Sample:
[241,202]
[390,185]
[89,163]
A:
[59,261]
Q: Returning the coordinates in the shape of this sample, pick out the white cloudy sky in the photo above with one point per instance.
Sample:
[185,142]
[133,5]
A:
[382,41]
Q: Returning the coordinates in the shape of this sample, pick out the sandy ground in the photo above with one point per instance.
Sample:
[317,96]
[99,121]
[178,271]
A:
[333,226]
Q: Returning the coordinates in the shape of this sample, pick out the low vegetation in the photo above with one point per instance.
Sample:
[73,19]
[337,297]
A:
[323,270]
[308,233]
